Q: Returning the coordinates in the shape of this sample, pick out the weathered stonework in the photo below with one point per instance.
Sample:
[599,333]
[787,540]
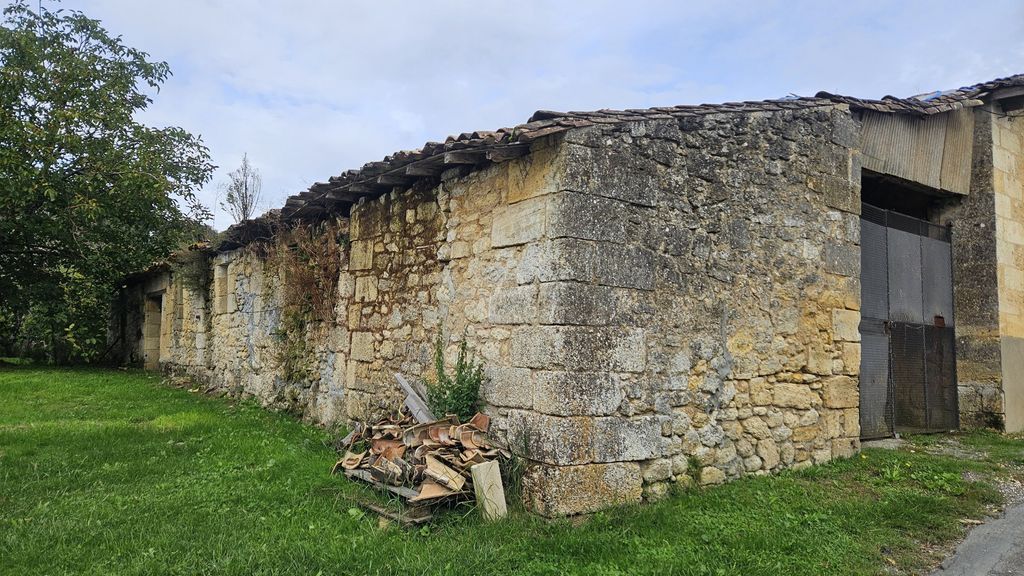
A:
[988,259]
[639,294]
[979,375]
[658,301]
[1008,189]
[685,308]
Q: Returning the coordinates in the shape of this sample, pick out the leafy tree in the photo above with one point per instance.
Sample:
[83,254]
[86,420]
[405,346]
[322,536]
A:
[243,191]
[87,193]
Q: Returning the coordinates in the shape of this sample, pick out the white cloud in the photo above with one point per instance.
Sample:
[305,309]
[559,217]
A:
[309,89]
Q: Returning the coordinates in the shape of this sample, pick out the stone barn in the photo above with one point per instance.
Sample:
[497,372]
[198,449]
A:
[678,294]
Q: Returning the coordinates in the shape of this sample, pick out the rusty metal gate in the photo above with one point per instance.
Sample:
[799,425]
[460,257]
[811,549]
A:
[908,362]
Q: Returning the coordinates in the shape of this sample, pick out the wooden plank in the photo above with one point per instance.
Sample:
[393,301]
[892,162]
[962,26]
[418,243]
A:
[394,179]
[414,516]
[444,475]
[507,153]
[490,493]
[429,167]
[1010,92]
[934,151]
[465,157]
[425,170]
[929,141]
[362,188]
[341,196]
[414,401]
[365,476]
[958,153]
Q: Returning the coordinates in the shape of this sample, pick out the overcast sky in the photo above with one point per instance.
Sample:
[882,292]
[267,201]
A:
[311,88]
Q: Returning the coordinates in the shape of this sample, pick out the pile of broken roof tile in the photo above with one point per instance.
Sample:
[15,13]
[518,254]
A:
[422,462]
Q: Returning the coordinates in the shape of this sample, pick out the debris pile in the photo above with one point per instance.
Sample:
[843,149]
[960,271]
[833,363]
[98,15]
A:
[426,461]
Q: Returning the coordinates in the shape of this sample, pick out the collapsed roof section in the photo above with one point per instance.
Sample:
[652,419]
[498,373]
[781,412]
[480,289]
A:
[476,149]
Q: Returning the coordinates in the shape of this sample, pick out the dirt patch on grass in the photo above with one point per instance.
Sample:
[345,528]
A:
[1011,487]
[993,466]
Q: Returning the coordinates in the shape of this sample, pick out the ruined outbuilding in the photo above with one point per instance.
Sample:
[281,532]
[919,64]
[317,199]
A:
[678,294]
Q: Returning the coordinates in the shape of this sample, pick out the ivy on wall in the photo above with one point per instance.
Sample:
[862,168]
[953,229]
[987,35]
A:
[193,268]
[308,259]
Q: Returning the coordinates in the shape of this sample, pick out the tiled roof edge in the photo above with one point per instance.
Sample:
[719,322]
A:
[473,149]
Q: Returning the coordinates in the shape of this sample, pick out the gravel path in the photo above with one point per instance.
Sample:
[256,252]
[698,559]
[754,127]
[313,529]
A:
[995,548]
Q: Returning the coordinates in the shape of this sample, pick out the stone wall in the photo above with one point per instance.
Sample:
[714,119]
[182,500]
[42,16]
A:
[419,264]
[697,306]
[1008,188]
[979,376]
[655,302]
[227,335]
[988,269]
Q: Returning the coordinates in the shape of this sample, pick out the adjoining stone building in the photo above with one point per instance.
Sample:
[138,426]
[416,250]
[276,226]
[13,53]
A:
[669,294]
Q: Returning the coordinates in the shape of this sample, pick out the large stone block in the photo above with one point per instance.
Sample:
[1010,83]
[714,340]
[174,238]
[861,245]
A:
[536,347]
[514,305]
[533,175]
[362,347]
[845,131]
[587,217]
[851,357]
[366,289]
[819,361]
[576,303]
[789,395]
[842,259]
[614,349]
[613,171]
[346,288]
[624,266]
[361,255]
[579,348]
[367,220]
[845,447]
[358,376]
[568,490]
[518,223]
[507,387]
[840,392]
[551,439]
[576,393]
[846,325]
[839,192]
[559,259]
[618,439]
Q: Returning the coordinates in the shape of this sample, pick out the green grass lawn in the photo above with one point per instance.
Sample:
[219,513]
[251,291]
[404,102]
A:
[107,472]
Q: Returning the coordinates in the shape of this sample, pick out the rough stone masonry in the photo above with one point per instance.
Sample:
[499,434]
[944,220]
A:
[657,297]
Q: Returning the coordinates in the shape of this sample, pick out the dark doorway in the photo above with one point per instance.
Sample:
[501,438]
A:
[908,375]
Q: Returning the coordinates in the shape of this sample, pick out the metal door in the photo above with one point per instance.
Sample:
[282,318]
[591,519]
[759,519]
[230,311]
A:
[908,364]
